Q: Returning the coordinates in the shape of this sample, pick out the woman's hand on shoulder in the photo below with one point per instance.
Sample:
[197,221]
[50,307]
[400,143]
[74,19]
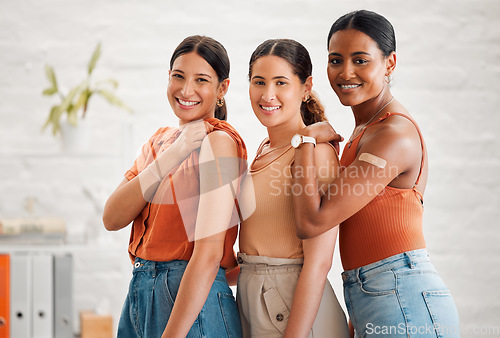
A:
[191,137]
[323,132]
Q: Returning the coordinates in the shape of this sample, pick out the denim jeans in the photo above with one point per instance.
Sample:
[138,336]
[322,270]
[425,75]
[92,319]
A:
[151,297]
[400,296]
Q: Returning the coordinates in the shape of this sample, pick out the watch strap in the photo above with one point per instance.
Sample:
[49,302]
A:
[308,139]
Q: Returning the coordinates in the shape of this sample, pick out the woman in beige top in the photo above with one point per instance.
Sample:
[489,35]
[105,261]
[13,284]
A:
[282,287]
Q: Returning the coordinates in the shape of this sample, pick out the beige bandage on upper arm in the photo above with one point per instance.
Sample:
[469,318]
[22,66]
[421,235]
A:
[372,159]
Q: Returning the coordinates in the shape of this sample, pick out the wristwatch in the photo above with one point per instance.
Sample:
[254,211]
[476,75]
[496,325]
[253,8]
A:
[298,139]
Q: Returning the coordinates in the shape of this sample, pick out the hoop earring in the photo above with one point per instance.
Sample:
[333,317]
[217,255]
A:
[388,78]
[220,102]
[305,99]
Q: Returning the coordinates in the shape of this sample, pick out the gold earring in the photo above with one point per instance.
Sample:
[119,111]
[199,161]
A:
[220,102]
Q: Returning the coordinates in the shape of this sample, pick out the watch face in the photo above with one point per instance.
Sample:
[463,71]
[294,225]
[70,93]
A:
[296,140]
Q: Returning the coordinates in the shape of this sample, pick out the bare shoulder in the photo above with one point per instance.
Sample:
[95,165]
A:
[325,152]
[221,143]
[326,161]
[397,128]
[395,139]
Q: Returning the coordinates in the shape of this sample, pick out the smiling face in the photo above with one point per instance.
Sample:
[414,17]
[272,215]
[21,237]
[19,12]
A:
[276,93]
[356,67]
[193,88]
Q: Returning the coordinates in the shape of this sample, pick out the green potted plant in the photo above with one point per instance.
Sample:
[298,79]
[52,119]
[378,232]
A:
[75,103]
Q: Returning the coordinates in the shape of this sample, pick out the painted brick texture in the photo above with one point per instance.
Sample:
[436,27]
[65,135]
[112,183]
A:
[447,76]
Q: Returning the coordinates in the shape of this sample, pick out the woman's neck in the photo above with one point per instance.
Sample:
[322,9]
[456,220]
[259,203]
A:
[183,123]
[368,109]
[282,134]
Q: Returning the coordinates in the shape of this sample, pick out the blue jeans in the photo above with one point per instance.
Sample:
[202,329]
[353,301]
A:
[151,297]
[400,296]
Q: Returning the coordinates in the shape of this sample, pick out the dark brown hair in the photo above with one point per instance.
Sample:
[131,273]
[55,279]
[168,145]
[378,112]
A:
[378,28]
[211,51]
[297,56]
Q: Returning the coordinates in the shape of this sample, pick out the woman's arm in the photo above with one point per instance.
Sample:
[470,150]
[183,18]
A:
[214,214]
[318,256]
[195,285]
[130,197]
[396,148]
[232,276]
[351,329]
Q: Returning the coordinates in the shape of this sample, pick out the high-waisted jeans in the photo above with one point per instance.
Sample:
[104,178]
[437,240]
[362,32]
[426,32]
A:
[400,296]
[151,297]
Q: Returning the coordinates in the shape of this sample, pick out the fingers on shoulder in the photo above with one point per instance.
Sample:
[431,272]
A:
[208,127]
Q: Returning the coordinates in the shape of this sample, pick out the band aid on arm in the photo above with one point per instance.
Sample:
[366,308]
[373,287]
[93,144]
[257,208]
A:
[372,159]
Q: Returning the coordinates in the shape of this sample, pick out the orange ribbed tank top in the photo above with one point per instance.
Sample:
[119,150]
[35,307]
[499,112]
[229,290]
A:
[390,224]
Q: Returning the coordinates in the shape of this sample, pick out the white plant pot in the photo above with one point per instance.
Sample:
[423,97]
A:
[75,139]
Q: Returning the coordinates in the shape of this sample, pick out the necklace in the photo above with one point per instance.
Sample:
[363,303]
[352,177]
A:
[353,136]
[270,151]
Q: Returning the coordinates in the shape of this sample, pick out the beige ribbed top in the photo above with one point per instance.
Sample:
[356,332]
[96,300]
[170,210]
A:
[270,230]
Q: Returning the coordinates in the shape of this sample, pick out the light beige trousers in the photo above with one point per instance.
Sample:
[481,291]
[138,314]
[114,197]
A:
[266,286]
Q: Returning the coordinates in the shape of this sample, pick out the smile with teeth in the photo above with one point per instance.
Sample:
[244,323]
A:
[270,108]
[187,103]
[349,86]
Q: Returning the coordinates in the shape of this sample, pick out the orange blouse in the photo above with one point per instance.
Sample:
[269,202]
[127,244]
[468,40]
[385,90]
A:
[164,229]
[390,224]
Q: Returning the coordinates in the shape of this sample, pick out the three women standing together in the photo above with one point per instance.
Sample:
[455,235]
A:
[188,190]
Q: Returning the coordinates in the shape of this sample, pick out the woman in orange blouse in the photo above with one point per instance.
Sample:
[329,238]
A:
[180,196]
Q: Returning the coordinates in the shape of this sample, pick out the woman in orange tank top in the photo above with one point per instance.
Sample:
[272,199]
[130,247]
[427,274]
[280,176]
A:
[182,207]
[390,286]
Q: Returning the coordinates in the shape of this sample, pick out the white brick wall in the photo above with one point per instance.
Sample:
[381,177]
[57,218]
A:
[447,76]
